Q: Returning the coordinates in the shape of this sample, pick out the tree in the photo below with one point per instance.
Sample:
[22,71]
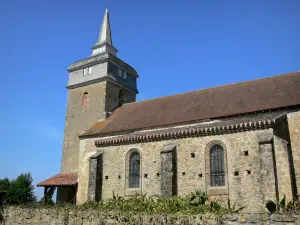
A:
[20,191]
[4,185]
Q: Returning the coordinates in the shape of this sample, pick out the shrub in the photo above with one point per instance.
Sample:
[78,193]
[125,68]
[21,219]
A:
[198,197]
[194,203]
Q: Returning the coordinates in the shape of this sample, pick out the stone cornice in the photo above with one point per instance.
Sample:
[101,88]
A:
[135,91]
[88,61]
[106,57]
[184,133]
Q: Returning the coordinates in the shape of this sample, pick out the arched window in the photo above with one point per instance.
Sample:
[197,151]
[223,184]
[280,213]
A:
[85,100]
[134,170]
[217,168]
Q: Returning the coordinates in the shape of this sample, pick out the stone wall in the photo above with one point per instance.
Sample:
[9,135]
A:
[101,98]
[79,118]
[294,131]
[64,216]
[250,177]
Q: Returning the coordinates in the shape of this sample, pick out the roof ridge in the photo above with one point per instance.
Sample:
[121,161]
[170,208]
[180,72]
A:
[223,85]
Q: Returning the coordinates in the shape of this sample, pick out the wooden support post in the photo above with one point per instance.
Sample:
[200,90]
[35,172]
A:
[45,193]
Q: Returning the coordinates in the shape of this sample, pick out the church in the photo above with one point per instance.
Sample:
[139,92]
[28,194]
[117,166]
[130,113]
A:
[239,141]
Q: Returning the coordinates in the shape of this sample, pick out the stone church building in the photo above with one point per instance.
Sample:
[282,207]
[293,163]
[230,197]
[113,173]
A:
[239,141]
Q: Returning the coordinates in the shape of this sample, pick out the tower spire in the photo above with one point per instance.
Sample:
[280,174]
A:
[105,33]
[104,43]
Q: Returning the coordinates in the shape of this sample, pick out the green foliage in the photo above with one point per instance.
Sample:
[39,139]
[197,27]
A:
[215,206]
[283,205]
[198,197]
[271,206]
[20,191]
[4,185]
[194,203]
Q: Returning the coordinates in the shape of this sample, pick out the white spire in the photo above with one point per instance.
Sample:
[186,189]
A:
[104,43]
[105,33]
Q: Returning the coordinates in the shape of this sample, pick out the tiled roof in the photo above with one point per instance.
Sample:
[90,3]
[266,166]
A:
[61,179]
[217,102]
[242,123]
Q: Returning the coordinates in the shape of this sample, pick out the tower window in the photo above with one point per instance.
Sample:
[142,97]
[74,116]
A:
[102,49]
[120,72]
[87,70]
[124,74]
[85,100]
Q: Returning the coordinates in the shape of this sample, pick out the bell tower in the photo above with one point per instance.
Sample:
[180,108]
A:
[97,86]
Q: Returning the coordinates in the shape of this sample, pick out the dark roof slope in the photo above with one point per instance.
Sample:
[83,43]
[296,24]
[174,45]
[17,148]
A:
[228,100]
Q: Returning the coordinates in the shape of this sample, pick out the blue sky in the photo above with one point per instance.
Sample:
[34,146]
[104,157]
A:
[176,46]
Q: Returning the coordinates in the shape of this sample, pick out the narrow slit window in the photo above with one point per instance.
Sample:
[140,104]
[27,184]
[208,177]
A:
[85,100]
[217,168]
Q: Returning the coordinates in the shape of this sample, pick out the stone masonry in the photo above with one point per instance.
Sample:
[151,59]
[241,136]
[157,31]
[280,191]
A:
[294,131]
[65,216]
[248,177]
[79,119]
[102,98]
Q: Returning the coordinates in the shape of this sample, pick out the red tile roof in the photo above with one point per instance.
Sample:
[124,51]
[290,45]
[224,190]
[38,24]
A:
[61,179]
[228,100]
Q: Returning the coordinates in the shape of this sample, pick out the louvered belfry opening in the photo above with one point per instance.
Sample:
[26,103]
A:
[217,168]
[134,170]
